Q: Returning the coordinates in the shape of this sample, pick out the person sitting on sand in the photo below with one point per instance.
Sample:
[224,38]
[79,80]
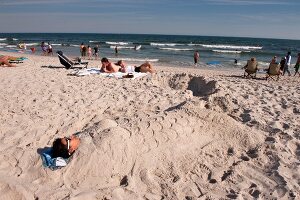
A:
[4,60]
[65,147]
[145,67]
[108,67]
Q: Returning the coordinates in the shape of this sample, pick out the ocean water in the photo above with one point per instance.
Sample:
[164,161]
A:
[174,50]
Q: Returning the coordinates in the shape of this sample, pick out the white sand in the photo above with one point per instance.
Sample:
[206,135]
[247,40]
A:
[178,134]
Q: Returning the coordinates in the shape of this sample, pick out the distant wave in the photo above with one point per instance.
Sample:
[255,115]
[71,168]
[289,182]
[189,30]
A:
[2,39]
[226,51]
[11,46]
[74,45]
[117,43]
[176,49]
[3,44]
[164,44]
[14,39]
[135,59]
[32,44]
[94,41]
[191,44]
[121,47]
[56,44]
[220,46]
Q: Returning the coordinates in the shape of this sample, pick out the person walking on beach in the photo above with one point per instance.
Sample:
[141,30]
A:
[297,65]
[196,57]
[96,52]
[287,64]
[50,50]
[44,49]
[282,63]
[89,49]
[81,49]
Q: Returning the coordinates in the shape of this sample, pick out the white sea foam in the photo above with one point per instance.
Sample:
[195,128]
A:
[191,44]
[117,43]
[74,45]
[136,59]
[165,44]
[176,49]
[226,51]
[121,47]
[11,46]
[3,44]
[220,46]
[32,44]
[93,41]
[2,39]
[15,39]
[56,44]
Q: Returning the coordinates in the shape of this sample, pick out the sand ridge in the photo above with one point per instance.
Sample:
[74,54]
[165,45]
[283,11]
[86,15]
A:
[177,134]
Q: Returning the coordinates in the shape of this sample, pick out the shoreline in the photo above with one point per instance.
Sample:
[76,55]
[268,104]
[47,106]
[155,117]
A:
[180,133]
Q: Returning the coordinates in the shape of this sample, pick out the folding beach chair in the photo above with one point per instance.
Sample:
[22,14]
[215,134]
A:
[273,71]
[65,61]
[251,68]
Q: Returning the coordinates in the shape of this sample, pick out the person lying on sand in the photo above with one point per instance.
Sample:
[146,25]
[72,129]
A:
[145,67]
[108,67]
[65,147]
[4,60]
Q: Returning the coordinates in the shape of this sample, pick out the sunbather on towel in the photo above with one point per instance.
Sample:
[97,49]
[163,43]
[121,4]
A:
[145,67]
[108,67]
[65,147]
[4,60]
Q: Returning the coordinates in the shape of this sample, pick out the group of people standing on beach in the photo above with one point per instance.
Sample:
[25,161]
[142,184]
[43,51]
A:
[285,64]
[86,51]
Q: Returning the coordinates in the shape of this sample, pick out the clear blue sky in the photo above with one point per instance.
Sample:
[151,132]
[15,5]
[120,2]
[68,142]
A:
[251,18]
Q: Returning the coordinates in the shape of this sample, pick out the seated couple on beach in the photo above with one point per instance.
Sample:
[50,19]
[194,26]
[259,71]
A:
[4,61]
[109,67]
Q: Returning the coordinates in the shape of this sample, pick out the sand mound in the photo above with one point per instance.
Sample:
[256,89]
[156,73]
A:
[169,136]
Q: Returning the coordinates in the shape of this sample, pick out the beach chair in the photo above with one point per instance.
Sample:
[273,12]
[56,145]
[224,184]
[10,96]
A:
[273,71]
[68,63]
[251,68]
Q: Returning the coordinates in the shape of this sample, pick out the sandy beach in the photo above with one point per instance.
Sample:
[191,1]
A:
[182,133]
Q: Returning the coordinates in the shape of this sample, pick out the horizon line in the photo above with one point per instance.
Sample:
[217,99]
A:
[251,37]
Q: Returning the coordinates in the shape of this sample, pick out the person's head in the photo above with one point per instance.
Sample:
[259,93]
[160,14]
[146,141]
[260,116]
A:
[88,46]
[289,53]
[253,59]
[105,61]
[82,43]
[49,43]
[64,147]
[120,63]
[298,54]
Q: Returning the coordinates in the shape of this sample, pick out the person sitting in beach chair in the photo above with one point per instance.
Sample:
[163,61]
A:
[273,71]
[68,63]
[251,68]
[144,68]
[5,61]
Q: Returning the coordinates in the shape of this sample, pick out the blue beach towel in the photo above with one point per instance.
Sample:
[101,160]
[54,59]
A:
[53,163]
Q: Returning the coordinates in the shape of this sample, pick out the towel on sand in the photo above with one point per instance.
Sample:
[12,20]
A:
[118,75]
[53,163]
